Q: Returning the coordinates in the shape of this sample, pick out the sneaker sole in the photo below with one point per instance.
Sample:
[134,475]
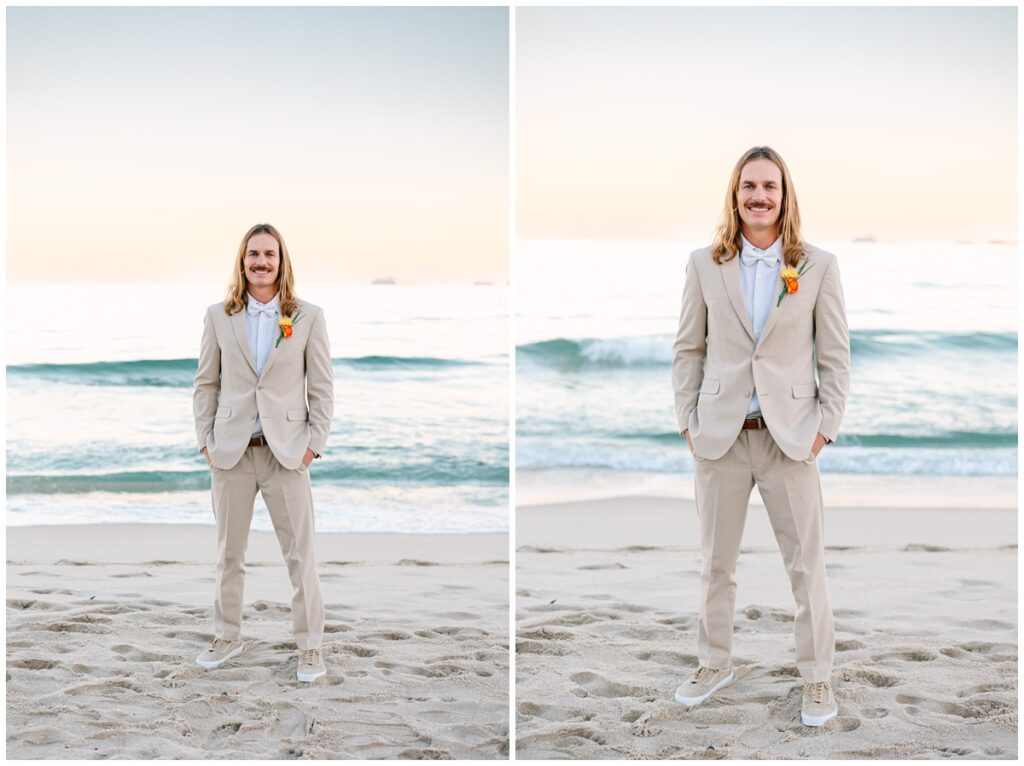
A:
[691,701]
[210,665]
[307,677]
[817,720]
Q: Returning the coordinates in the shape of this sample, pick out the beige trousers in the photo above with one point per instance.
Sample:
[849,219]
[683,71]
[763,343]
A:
[791,490]
[290,503]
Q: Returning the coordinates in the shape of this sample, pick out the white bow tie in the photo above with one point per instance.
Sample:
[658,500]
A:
[266,309]
[749,257]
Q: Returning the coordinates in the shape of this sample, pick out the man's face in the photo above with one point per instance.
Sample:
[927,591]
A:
[759,197]
[262,260]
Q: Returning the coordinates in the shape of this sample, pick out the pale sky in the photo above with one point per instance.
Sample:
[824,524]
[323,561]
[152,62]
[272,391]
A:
[898,123]
[144,142]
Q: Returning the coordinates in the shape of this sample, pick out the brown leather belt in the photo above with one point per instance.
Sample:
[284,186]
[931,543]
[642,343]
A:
[757,422]
[261,441]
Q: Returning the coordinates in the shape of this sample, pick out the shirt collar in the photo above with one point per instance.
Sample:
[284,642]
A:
[273,302]
[775,248]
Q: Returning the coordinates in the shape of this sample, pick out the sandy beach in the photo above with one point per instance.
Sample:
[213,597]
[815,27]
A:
[104,623]
[923,582]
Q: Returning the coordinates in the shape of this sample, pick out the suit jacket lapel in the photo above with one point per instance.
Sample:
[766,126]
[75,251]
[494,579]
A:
[731,274]
[241,329]
[275,347]
[777,308]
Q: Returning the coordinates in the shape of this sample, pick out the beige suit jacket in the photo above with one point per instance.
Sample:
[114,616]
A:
[717,365]
[229,394]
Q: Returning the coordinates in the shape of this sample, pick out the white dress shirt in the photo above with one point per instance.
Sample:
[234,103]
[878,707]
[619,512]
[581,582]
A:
[759,276]
[261,321]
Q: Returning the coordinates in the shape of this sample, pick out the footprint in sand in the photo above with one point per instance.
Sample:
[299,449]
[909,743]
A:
[33,664]
[109,688]
[425,754]
[985,689]
[134,654]
[679,622]
[982,649]
[263,606]
[874,712]
[75,627]
[846,723]
[972,709]
[871,678]
[759,612]
[567,738]
[546,634]
[549,648]
[221,734]
[527,710]
[675,659]
[594,685]
[913,655]
[389,635]
[848,645]
[20,603]
[355,649]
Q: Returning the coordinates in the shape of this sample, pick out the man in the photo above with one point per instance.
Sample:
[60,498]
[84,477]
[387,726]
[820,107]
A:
[263,353]
[760,308]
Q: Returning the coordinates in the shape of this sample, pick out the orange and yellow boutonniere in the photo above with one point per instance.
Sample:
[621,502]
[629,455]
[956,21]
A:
[285,323]
[790,279]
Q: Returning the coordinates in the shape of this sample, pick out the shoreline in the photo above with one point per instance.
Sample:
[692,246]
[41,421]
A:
[536,487]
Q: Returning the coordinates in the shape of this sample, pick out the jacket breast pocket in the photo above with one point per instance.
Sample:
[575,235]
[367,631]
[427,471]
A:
[804,390]
[298,415]
[710,386]
[223,412]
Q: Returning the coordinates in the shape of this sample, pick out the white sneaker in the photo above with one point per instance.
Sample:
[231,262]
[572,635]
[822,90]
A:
[220,651]
[702,684]
[819,704]
[311,665]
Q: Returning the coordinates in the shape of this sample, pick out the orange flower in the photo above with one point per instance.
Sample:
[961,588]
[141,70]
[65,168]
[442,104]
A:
[790,277]
[285,323]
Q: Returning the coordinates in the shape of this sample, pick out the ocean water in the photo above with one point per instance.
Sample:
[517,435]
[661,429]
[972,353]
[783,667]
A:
[99,407]
[934,358]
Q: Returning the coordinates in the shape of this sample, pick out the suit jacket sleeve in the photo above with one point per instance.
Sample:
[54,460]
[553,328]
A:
[690,347]
[832,344]
[319,384]
[206,392]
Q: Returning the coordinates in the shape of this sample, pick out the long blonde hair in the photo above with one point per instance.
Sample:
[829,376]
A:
[727,243]
[238,296]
